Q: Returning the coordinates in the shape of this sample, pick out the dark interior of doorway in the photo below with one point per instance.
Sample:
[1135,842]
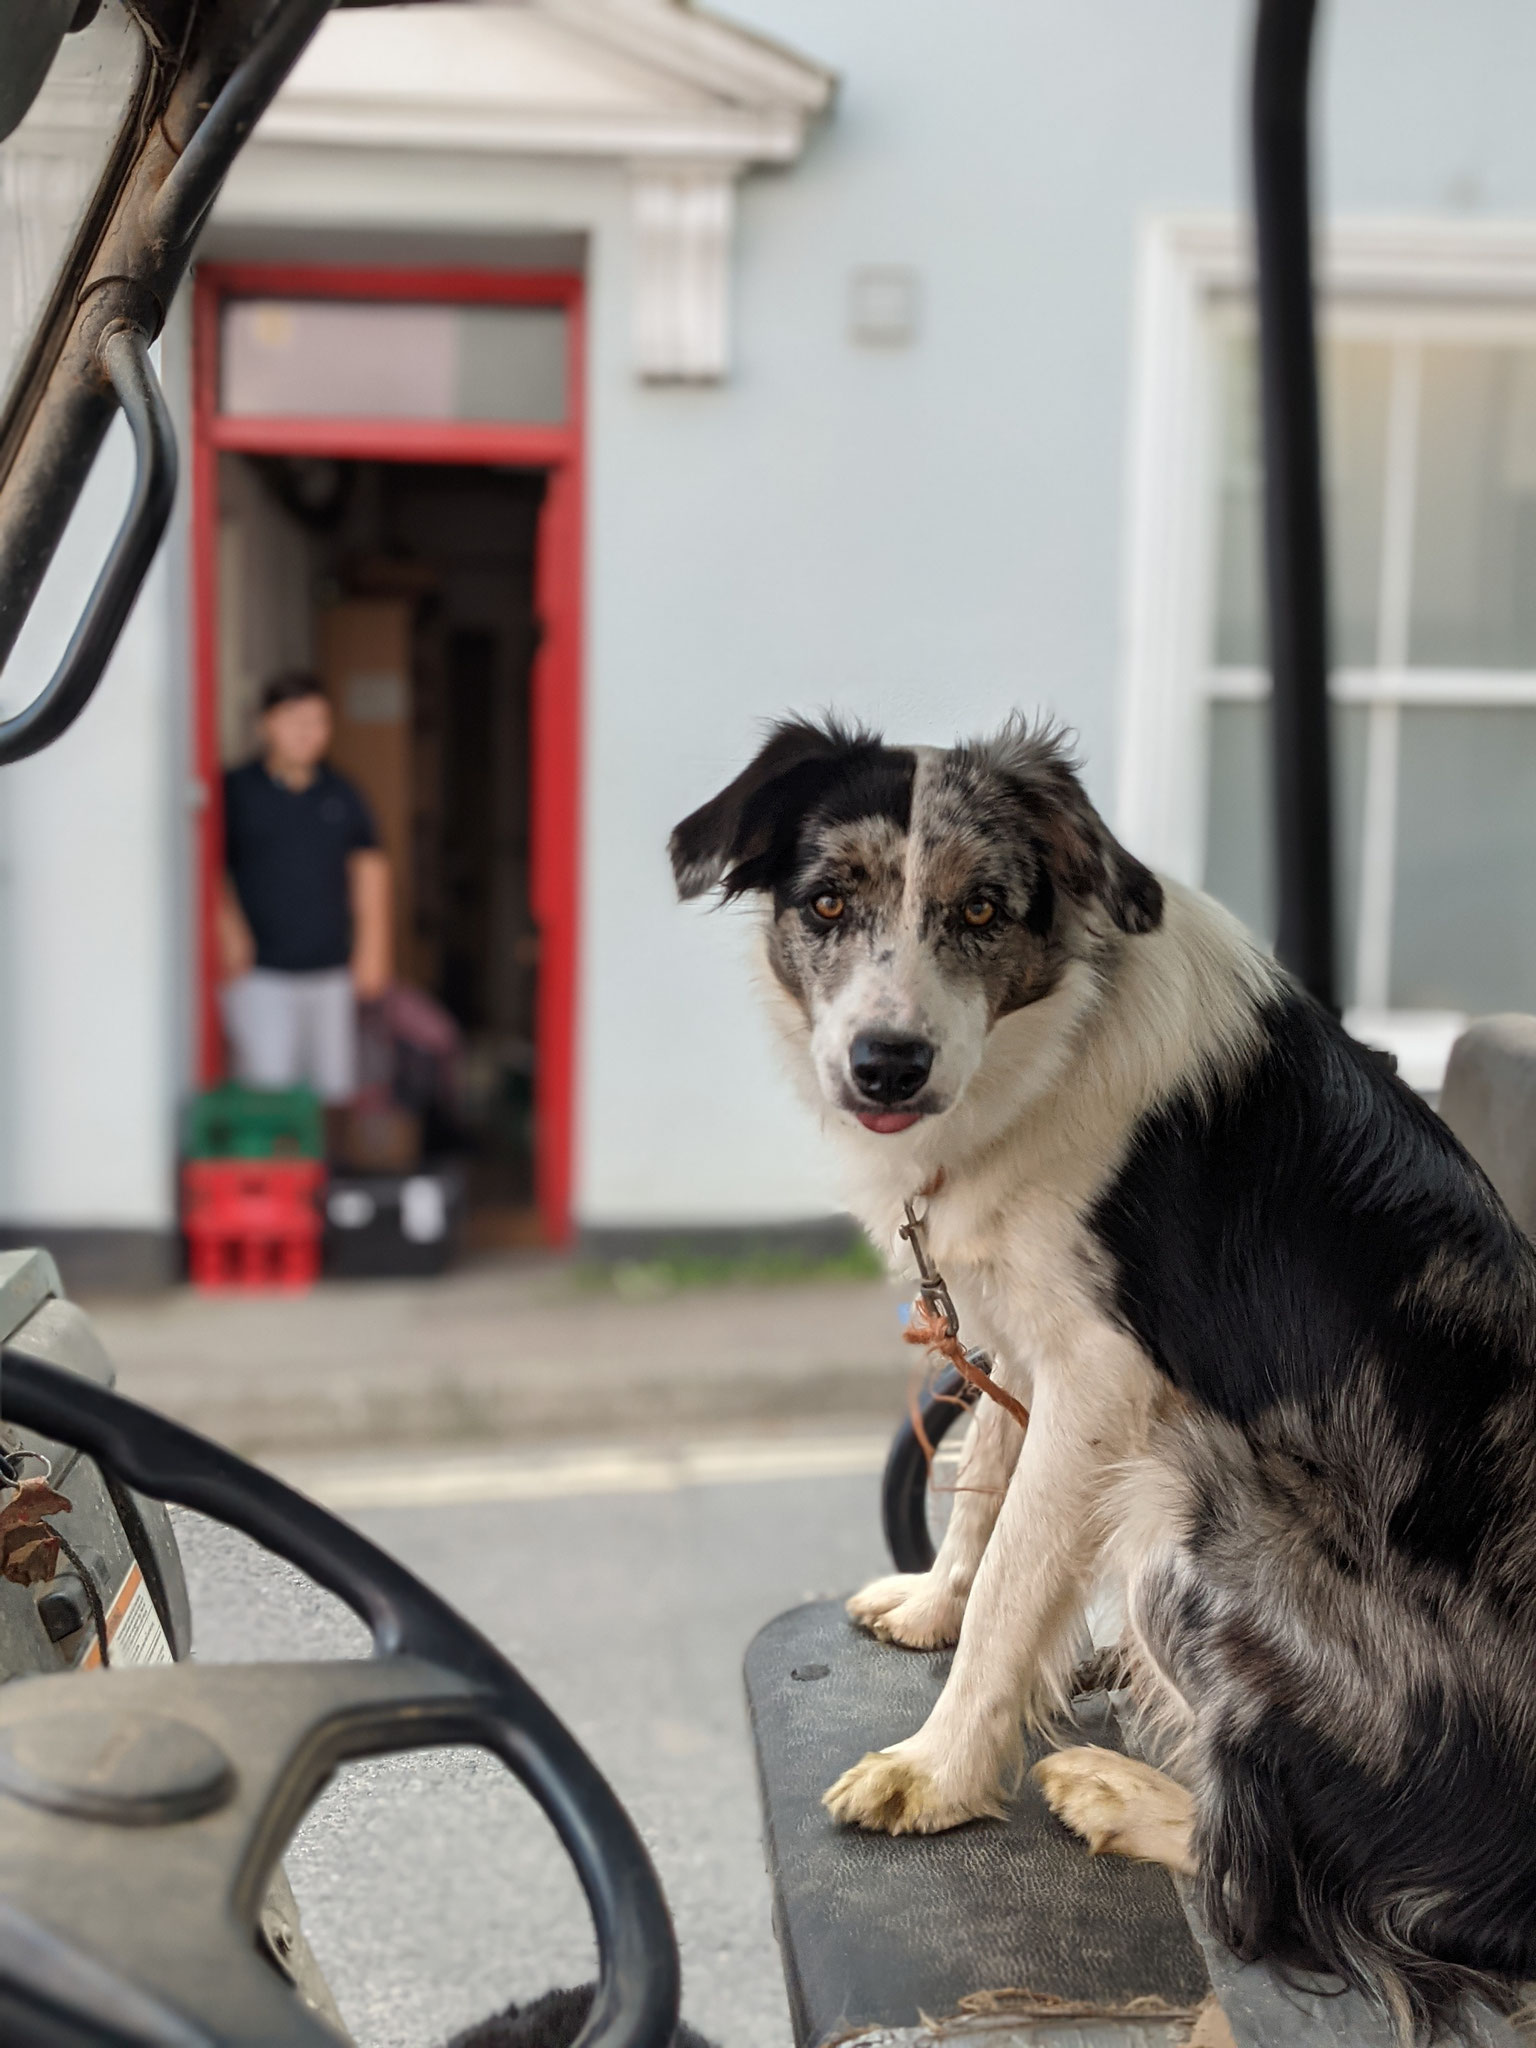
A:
[409,588]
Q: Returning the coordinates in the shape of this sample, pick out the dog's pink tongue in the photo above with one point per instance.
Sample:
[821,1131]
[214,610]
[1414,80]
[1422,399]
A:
[887,1121]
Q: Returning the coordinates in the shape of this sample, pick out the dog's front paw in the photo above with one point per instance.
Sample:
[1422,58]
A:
[1119,1805]
[914,1609]
[891,1793]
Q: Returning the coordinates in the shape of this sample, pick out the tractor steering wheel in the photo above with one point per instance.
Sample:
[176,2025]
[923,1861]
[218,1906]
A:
[146,1808]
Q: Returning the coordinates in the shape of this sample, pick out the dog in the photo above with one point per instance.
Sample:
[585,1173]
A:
[1275,1332]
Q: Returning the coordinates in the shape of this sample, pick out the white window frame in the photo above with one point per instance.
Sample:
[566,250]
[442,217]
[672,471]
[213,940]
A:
[1449,275]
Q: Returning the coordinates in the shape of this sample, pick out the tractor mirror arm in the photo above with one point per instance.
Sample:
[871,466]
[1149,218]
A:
[96,359]
[124,357]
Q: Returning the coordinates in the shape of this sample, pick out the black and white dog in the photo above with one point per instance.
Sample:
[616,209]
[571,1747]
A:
[1275,1331]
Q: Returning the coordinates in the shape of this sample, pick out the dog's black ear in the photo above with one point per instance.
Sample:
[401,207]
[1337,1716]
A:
[1084,858]
[727,839]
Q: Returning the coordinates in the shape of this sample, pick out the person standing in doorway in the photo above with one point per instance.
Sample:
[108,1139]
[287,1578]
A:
[304,913]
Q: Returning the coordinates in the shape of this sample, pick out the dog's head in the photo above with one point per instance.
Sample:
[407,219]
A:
[915,896]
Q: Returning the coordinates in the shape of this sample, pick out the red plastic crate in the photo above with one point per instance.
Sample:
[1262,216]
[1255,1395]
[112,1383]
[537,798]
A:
[252,1224]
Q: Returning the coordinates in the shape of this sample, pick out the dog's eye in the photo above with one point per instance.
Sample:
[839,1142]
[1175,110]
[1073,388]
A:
[828,907]
[978,912]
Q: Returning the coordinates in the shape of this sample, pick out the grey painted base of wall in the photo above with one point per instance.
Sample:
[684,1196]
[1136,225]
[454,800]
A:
[102,1261]
[106,1261]
[818,1237]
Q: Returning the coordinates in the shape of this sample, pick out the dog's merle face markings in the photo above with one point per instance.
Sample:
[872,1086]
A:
[916,896]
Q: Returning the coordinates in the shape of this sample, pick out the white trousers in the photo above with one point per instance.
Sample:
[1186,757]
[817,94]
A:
[290,1029]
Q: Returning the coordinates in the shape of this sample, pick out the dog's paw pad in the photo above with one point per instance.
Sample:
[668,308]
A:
[881,1792]
[1119,1805]
[888,1794]
[878,1598]
[908,1610]
[1083,1794]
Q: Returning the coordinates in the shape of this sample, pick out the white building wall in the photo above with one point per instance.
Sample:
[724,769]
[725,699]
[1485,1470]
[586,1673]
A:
[266,615]
[92,902]
[923,536]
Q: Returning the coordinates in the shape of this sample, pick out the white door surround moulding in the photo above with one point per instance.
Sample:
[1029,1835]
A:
[378,121]
[1184,265]
[680,289]
[686,101]
[717,56]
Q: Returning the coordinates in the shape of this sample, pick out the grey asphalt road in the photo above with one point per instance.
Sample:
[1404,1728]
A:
[510,1351]
[431,1888]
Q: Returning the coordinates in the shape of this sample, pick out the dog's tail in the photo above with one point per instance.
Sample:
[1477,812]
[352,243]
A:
[1416,1892]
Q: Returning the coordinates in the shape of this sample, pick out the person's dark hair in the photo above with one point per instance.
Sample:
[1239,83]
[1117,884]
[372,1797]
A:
[289,687]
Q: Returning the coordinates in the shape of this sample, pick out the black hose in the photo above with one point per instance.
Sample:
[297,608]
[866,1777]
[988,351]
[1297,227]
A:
[1294,556]
[904,1489]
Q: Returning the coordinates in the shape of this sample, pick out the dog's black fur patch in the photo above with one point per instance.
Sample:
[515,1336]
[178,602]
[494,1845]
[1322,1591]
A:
[1306,1251]
[1262,1232]
[1314,1865]
[748,837]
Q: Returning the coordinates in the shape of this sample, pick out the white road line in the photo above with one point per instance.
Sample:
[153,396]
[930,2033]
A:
[564,1475]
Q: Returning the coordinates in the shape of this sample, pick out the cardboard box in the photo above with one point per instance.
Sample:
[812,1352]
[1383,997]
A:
[378,1140]
[364,651]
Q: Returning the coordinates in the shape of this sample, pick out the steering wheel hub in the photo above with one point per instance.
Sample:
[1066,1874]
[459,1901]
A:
[130,1769]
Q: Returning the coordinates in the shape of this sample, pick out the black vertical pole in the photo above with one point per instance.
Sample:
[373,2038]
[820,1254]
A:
[1295,571]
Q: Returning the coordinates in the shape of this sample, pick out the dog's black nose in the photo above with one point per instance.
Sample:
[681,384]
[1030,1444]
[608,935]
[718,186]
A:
[890,1069]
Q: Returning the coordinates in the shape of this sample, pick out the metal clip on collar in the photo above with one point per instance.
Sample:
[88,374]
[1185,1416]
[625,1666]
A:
[932,1290]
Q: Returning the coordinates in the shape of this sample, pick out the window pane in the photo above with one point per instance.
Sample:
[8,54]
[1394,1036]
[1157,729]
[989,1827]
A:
[333,358]
[1239,853]
[1474,553]
[51,165]
[1239,573]
[1356,377]
[1357,382]
[1464,925]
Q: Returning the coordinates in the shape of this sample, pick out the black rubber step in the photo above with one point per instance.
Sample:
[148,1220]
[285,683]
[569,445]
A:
[876,1931]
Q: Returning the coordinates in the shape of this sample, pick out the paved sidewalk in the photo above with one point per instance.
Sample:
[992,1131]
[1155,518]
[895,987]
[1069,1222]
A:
[504,1351]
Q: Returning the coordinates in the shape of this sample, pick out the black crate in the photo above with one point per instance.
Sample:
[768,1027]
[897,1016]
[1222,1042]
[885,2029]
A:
[391,1226]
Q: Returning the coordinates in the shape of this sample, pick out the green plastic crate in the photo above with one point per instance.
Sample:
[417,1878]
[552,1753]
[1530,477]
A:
[233,1122]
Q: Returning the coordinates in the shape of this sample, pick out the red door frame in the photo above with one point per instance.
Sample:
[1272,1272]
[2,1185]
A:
[555,792]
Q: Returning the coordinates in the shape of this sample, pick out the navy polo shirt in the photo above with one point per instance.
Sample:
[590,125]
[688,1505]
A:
[286,852]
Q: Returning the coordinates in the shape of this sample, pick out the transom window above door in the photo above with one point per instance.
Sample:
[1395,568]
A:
[305,358]
[1430,455]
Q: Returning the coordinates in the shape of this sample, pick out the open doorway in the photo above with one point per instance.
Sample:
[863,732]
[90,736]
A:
[386,488]
[410,589]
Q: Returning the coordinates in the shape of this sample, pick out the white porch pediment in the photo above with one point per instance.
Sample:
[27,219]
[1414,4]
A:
[686,100]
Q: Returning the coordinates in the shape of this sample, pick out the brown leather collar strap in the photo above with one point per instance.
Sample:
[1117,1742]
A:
[926,1329]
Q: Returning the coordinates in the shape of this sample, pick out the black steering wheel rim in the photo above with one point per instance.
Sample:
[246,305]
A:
[637,1998]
